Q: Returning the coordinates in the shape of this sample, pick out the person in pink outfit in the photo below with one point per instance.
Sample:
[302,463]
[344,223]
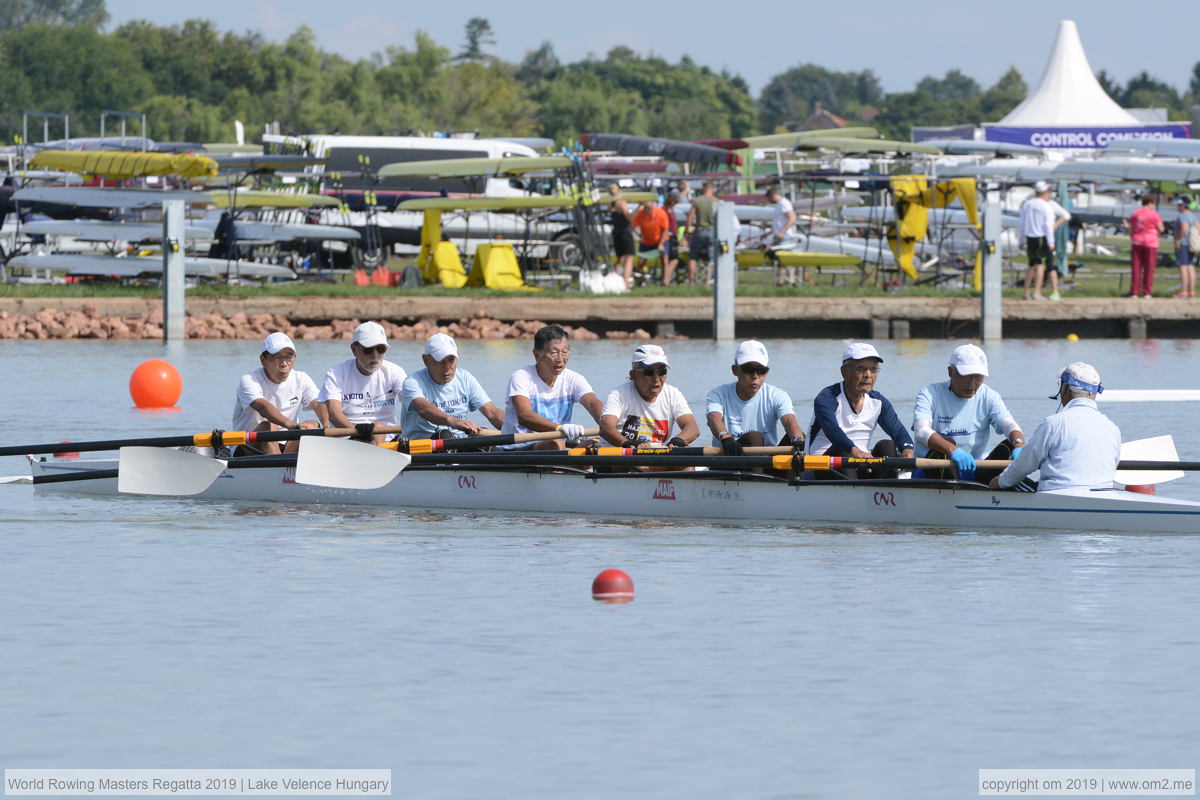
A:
[1144,227]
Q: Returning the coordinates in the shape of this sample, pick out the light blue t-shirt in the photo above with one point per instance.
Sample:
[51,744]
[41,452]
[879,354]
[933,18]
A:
[459,397]
[760,413]
[965,420]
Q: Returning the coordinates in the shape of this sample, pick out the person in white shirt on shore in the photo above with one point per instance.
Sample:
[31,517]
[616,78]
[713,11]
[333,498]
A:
[364,391]
[273,396]
[1037,223]
[1076,448]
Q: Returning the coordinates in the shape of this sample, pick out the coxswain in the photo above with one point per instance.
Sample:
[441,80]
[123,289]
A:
[951,418]
[846,414]
[273,396]
[749,411]
[1075,448]
[364,391]
[438,397]
[542,397]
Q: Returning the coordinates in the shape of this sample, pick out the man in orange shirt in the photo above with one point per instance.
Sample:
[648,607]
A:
[652,223]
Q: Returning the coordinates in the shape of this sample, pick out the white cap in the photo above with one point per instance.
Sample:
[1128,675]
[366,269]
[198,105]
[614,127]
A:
[650,354]
[370,334]
[860,350]
[1041,186]
[751,351]
[1081,376]
[440,346]
[969,359]
[277,341]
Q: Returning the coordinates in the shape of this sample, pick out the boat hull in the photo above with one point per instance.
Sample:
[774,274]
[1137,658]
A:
[702,495]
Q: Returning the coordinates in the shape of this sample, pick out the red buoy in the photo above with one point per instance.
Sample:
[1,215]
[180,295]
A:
[1141,488]
[155,384]
[613,586]
[66,455]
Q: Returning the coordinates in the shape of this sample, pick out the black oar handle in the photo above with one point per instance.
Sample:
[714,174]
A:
[232,438]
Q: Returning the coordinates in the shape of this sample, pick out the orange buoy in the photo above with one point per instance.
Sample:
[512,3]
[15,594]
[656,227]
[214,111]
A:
[1141,488]
[155,384]
[613,586]
[66,455]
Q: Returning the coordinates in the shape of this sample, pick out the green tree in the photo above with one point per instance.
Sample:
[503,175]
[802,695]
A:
[1146,91]
[1003,96]
[788,98]
[15,14]
[478,33]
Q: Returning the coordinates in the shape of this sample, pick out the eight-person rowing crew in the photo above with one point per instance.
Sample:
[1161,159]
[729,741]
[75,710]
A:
[952,419]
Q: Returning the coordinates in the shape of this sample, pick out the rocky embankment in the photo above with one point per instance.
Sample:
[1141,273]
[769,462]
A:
[88,323]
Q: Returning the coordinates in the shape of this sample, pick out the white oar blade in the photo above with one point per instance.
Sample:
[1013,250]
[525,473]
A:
[1156,448]
[344,464]
[160,470]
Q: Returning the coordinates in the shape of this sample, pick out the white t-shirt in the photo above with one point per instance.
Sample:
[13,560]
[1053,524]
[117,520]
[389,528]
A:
[295,394]
[555,403]
[654,419]
[779,218]
[366,398]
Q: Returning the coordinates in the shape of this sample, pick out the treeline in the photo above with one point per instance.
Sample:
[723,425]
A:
[193,80]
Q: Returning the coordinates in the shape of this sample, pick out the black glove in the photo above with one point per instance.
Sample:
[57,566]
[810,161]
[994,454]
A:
[676,442]
[364,431]
[631,443]
[798,445]
[731,446]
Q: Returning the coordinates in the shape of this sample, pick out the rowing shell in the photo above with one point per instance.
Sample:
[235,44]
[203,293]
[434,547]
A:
[702,495]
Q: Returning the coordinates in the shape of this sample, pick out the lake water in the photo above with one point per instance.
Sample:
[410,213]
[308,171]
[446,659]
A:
[464,651]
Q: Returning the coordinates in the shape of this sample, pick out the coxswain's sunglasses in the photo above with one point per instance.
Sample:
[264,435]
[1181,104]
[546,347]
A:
[651,372]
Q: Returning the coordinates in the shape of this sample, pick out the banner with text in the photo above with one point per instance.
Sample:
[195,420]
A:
[1083,137]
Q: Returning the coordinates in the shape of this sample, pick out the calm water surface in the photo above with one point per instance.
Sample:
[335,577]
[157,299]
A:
[464,652]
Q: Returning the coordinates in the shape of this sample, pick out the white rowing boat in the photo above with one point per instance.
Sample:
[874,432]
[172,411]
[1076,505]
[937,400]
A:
[711,495]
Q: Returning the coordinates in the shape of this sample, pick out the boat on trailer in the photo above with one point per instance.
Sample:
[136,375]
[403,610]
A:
[703,495]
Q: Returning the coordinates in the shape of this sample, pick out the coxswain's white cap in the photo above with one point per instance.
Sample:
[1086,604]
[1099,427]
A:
[277,341]
[1041,186]
[650,354]
[1081,376]
[370,334]
[969,359]
[859,350]
[751,352]
[440,346]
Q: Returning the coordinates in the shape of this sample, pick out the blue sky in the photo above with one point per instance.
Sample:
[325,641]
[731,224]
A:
[901,42]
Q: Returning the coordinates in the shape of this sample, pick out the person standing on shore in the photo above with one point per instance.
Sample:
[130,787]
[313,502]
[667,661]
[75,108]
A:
[1144,227]
[670,242]
[622,233]
[702,228]
[364,391]
[652,225]
[1036,227]
[783,220]
[1186,234]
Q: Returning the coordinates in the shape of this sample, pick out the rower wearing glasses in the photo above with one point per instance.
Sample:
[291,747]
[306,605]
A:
[273,396]
[846,414]
[364,391]
[542,397]
[749,411]
[951,418]
[646,409]
[1075,448]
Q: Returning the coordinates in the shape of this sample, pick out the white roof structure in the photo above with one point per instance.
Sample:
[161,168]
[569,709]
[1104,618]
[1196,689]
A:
[1068,93]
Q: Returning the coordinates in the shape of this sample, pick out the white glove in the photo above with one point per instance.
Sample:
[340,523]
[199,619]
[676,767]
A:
[570,430]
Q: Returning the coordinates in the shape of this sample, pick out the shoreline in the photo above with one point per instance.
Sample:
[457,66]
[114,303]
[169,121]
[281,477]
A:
[610,316]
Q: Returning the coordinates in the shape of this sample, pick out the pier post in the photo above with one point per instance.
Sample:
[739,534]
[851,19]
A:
[173,268]
[725,285]
[990,316]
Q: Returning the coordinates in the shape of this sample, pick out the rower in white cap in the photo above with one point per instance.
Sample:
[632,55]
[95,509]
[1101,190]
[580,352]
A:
[273,396]
[1076,448]
[363,391]
[847,413]
[952,417]
[646,408]
[749,411]
[439,397]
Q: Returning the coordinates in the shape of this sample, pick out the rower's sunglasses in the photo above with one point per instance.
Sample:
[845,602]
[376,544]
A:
[651,372]
[754,369]
[379,348]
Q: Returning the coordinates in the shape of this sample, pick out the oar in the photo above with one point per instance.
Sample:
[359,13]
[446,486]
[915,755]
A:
[1157,448]
[415,446]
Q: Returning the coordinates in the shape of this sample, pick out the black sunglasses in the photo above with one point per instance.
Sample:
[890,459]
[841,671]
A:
[754,369]
[650,372]
[379,348]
